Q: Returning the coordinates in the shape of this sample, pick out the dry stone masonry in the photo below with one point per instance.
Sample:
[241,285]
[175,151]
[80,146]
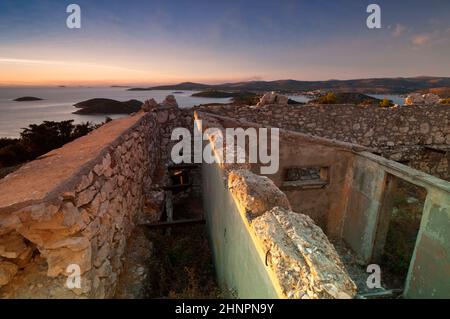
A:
[409,134]
[79,205]
[87,199]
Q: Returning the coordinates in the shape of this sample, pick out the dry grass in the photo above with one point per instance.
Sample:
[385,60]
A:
[182,266]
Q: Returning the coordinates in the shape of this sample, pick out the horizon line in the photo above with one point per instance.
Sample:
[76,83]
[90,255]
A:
[212,83]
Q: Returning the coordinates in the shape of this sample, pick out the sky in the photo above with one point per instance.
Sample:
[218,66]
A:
[160,42]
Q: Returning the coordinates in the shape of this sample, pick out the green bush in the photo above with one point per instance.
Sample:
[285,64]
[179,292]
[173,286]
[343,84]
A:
[38,139]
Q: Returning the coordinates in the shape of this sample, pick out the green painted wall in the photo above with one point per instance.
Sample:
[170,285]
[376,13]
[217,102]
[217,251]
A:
[239,267]
[429,273]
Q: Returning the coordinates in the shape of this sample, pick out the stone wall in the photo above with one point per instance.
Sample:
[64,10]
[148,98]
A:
[399,133]
[79,204]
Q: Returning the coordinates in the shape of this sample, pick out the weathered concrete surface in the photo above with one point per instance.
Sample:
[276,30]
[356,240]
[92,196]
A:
[353,203]
[238,263]
[429,268]
[325,205]
[241,241]
[429,273]
[363,205]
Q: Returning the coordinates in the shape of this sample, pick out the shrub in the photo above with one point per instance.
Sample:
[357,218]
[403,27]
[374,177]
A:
[38,139]
[445,101]
[386,103]
[330,98]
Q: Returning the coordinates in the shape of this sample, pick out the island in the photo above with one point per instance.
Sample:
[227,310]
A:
[27,99]
[107,106]
[140,89]
[346,98]
[217,94]
[239,98]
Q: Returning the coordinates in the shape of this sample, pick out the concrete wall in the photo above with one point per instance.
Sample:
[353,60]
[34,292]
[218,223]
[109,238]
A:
[240,270]
[351,206]
[261,248]
[326,205]
[429,269]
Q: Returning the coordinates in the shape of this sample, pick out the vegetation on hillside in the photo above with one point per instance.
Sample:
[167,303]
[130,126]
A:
[346,98]
[386,103]
[38,139]
[330,98]
[374,86]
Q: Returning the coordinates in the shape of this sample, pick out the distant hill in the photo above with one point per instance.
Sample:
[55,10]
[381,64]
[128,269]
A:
[107,106]
[374,86]
[186,86]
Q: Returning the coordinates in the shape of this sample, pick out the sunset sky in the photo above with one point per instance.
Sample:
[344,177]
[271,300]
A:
[156,42]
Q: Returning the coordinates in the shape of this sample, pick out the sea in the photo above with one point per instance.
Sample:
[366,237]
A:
[58,104]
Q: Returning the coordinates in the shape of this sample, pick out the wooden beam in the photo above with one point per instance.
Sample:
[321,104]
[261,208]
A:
[183,166]
[180,222]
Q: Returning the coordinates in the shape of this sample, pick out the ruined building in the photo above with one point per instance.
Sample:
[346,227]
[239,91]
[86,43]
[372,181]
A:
[356,186]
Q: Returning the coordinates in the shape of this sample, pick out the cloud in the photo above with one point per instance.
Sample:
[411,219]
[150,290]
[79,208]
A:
[63,63]
[422,39]
[435,38]
[399,30]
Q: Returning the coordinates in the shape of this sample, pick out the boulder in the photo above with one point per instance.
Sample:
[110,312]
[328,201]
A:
[304,261]
[273,98]
[430,99]
[169,101]
[424,99]
[414,99]
[256,194]
[12,245]
[149,105]
[7,272]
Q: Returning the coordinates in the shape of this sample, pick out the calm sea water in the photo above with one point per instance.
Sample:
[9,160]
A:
[395,98]
[58,104]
